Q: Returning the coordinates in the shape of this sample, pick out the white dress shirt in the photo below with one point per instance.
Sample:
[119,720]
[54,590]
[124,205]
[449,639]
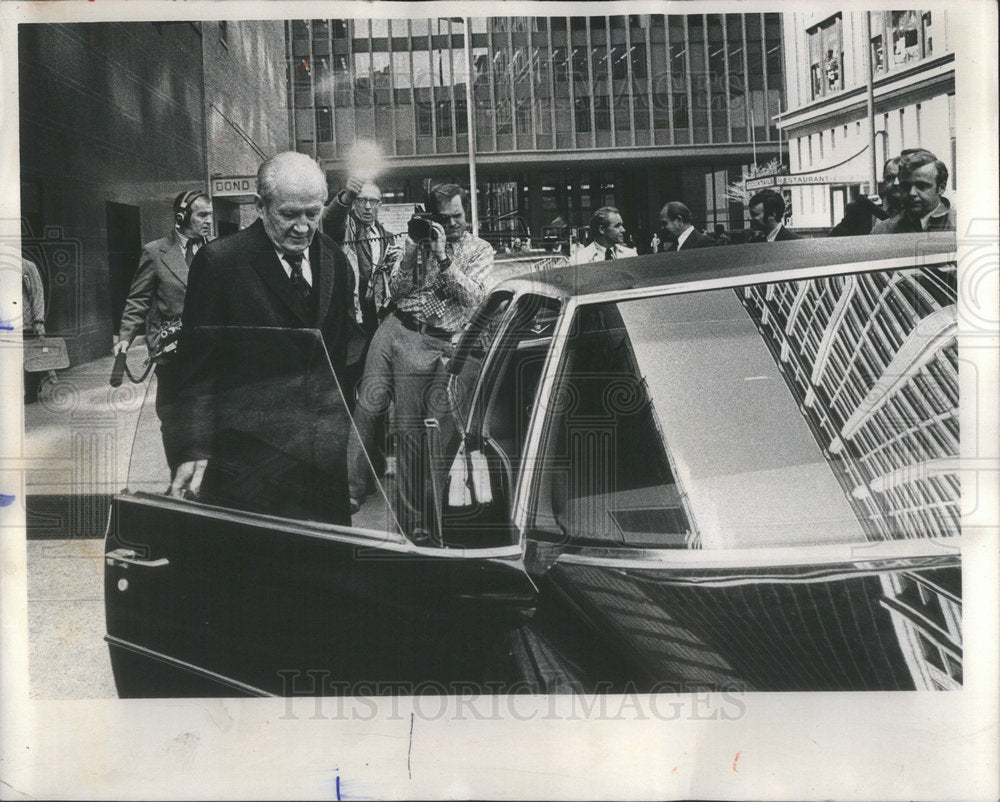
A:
[595,253]
[307,273]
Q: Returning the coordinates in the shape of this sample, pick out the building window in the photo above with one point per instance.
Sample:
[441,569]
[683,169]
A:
[504,113]
[582,109]
[602,113]
[878,54]
[522,116]
[928,34]
[619,62]
[425,124]
[826,57]
[324,124]
[905,36]
[638,54]
[680,110]
[443,117]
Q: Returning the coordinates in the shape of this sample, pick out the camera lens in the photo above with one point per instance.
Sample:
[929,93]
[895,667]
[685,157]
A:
[418,229]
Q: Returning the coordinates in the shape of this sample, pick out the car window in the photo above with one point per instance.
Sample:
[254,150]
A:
[513,387]
[265,409]
[704,420]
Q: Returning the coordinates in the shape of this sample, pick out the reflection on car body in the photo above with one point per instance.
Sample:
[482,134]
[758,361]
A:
[672,474]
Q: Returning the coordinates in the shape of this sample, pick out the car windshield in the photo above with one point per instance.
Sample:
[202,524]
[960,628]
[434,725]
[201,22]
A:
[804,412]
[265,409]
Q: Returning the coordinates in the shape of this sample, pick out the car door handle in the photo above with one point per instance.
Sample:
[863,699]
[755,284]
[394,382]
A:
[128,557]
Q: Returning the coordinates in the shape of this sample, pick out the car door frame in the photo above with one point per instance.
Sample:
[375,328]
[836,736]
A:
[127,559]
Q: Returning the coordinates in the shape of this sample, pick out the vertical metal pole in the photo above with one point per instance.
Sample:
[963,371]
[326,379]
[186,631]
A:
[870,78]
[471,125]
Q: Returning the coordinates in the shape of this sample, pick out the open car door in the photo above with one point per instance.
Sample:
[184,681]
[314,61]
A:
[754,488]
[263,583]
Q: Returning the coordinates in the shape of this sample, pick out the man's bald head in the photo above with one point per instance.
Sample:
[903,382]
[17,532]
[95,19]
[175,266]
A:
[291,193]
[287,169]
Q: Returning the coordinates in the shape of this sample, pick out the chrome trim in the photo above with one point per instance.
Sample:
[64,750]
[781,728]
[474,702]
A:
[322,531]
[784,556]
[128,557]
[173,661]
[520,507]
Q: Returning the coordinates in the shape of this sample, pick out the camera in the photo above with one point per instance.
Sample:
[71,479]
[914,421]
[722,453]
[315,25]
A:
[418,227]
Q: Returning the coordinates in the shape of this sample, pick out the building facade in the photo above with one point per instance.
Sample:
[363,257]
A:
[115,120]
[569,113]
[826,125]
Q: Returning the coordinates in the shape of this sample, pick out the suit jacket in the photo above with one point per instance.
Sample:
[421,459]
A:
[941,219]
[259,401]
[693,240]
[342,227]
[785,235]
[158,288]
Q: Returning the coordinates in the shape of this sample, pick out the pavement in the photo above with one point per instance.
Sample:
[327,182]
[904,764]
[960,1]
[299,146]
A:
[67,655]
[78,446]
[78,438]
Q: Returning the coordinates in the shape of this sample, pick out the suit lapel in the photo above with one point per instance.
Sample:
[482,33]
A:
[173,258]
[265,261]
[324,276]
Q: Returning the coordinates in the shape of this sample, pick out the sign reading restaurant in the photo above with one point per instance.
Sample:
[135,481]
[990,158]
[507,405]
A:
[232,185]
[753,184]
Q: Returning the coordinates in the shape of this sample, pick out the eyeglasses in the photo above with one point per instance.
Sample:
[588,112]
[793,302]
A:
[373,202]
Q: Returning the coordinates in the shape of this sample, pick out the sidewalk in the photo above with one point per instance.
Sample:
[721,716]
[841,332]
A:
[77,446]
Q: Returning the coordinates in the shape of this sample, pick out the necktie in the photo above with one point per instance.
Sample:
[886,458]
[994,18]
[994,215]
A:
[192,244]
[299,282]
[364,250]
[609,253]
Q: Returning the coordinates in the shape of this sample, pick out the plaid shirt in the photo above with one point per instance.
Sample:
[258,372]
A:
[447,298]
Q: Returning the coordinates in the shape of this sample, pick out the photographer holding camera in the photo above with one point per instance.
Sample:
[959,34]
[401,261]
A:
[443,275]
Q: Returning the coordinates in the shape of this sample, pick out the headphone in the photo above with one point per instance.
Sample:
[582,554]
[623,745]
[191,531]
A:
[182,205]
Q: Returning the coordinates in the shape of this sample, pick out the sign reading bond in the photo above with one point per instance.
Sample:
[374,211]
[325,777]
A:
[224,186]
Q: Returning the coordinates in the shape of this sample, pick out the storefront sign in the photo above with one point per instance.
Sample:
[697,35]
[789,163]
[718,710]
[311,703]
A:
[754,184]
[224,186]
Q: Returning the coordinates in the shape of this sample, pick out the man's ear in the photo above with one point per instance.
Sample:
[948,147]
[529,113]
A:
[258,203]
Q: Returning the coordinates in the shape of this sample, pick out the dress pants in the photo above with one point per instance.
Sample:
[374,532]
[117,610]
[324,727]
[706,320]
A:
[407,368]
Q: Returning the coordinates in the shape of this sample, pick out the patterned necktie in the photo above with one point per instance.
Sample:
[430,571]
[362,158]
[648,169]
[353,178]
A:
[189,249]
[302,288]
[364,250]
[609,253]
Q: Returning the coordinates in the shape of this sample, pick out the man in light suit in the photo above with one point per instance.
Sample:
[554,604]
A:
[608,234]
[156,298]
[676,226]
[265,424]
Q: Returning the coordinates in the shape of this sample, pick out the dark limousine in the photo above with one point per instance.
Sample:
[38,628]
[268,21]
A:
[730,469]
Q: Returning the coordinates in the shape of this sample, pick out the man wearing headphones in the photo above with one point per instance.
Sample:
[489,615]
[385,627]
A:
[156,298]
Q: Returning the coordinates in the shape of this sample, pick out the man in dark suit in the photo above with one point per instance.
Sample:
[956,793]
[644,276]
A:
[156,298]
[767,211]
[265,424]
[677,229]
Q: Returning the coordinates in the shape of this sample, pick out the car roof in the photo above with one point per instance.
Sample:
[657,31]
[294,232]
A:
[733,261]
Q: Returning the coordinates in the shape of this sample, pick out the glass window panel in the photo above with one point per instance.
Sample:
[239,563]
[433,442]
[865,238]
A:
[733,473]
